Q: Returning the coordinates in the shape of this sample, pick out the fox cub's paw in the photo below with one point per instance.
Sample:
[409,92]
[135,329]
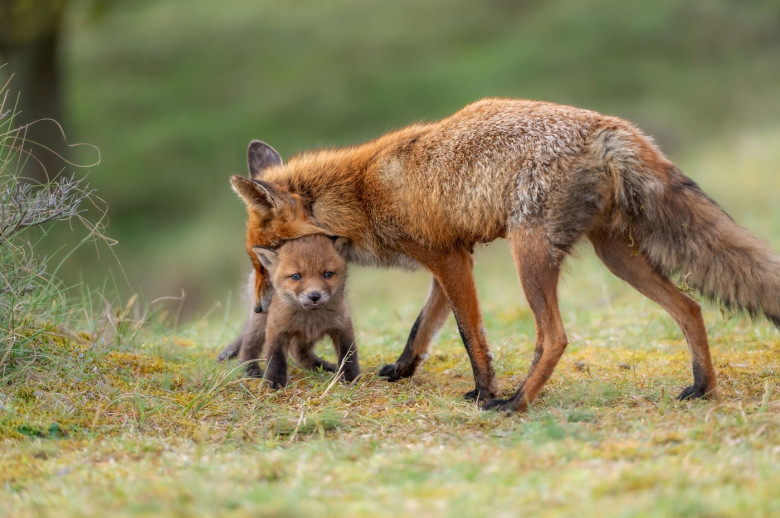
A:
[276,375]
[229,352]
[276,384]
[350,374]
[253,370]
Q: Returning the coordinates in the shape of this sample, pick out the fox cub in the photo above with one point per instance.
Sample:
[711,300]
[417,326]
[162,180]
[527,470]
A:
[309,301]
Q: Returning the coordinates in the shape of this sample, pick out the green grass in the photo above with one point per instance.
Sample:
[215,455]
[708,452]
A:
[158,428]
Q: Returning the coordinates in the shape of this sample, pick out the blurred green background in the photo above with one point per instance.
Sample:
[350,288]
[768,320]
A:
[171,92]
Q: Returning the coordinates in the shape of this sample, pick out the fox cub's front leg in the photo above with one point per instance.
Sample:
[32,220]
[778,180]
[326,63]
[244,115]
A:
[276,365]
[346,349]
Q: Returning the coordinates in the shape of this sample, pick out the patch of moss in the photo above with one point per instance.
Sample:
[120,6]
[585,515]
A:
[138,363]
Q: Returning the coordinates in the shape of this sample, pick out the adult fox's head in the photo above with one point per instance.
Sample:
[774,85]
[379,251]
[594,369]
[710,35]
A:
[275,214]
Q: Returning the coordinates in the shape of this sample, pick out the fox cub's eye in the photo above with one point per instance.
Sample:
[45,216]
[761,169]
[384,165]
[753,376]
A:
[295,276]
[327,275]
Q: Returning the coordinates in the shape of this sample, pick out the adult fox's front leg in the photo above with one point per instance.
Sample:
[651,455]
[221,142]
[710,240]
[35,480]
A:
[429,322]
[452,270]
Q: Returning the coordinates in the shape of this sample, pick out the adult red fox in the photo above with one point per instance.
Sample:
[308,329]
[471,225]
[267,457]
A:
[542,176]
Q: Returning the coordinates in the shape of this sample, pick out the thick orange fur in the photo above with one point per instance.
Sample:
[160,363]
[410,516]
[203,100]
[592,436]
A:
[541,175]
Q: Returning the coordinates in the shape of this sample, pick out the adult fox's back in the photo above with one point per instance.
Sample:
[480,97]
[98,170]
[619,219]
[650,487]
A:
[541,175]
[467,177]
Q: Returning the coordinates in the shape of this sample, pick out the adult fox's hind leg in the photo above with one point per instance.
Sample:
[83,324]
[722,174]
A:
[539,274]
[622,256]
[430,320]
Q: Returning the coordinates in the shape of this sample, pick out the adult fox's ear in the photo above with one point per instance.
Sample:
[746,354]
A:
[342,245]
[268,257]
[259,157]
[260,197]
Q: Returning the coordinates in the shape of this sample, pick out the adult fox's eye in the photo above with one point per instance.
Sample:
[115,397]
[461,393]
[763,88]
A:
[327,275]
[295,276]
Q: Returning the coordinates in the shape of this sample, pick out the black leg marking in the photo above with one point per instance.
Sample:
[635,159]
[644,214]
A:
[499,405]
[405,366]
[508,404]
[477,394]
[699,388]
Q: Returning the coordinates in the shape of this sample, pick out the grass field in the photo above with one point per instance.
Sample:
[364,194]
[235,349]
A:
[125,414]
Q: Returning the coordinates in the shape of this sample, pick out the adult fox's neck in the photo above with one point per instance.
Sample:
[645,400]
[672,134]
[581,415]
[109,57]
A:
[334,180]
[346,193]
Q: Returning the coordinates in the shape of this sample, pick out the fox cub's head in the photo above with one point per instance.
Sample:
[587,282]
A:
[275,214]
[306,272]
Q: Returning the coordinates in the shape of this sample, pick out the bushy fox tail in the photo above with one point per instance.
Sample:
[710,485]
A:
[685,234]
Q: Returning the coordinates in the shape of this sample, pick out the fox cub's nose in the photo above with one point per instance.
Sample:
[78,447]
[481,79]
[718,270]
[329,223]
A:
[314,296]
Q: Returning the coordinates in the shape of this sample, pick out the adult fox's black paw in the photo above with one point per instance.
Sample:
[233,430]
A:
[694,392]
[478,395]
[499,405]
[393,372]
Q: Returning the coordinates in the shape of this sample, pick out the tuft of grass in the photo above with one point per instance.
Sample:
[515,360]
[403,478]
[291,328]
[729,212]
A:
[32,299]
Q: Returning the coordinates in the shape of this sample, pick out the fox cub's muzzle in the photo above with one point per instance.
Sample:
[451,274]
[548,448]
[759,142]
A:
[313,299]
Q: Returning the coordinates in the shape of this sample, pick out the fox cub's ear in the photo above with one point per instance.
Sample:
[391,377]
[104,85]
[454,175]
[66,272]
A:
[268,257]
[342,245]
[258,196]
[259,157]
